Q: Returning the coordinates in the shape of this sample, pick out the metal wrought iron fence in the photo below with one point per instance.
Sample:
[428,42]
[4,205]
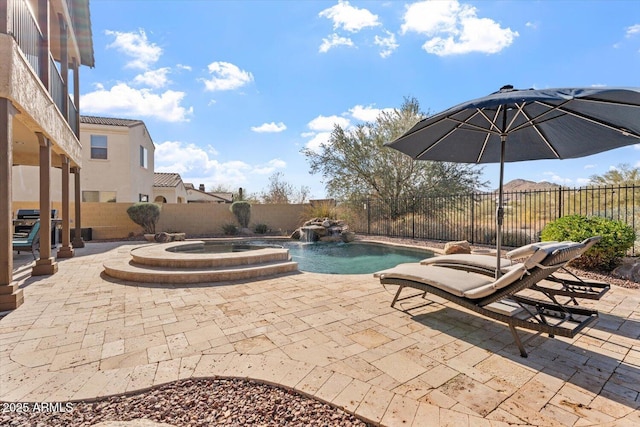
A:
[472,216]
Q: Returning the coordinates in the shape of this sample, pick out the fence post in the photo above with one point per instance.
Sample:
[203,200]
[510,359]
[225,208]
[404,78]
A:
[473,228]
[413,217]
[368,208]
[559,202]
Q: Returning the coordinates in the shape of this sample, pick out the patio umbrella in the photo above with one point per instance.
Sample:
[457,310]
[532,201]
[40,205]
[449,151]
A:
[513,125]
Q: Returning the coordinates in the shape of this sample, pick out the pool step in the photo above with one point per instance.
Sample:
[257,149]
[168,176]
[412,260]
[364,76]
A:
[126,269]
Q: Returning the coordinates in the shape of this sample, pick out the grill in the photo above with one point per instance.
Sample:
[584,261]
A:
[25,218]
[34,214]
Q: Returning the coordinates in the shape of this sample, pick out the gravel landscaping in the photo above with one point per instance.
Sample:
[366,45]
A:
[197,402]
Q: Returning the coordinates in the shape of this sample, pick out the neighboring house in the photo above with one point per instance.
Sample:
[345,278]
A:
[201,196]
[40,43]
[168,188]
[118,160]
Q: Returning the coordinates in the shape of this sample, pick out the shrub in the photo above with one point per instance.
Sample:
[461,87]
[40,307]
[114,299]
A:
[261,228]
[617,238]
[242,210]
[145,215]
[230,229]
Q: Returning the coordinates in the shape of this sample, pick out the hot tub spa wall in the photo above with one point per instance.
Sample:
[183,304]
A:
[110,220]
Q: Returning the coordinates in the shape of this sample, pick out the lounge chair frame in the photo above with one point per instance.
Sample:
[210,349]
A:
[29,243]
[540,316]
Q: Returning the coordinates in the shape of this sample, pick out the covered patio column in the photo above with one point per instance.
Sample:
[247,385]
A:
[77,237]
[45,265]
[65,251]
[11,297]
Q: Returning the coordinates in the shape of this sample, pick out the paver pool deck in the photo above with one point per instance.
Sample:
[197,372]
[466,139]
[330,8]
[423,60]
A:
[82,335]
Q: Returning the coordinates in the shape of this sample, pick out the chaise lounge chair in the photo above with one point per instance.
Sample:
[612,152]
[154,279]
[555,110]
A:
[498,299]
[571,286]
[30,242]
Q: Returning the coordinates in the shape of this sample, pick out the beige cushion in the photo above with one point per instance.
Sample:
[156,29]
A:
[482,261]
[456,282]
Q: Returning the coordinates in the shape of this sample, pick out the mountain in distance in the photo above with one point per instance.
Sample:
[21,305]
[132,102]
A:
[524,185]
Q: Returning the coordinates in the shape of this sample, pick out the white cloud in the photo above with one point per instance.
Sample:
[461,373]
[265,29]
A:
[554,177]
[137,47]
[153,78]
[367,114]
[583,181]
[269,127]
[348,17]
[199,166]
[184,67]
[269,167]
[226,76]
[531,25]
[327,123]
[453,28]
[124,100]
[317,141]
[589,166]
[633,30]
[333,41]
[387,44]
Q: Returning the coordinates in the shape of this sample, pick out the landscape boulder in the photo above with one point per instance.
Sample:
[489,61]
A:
[628,270]
[461,247]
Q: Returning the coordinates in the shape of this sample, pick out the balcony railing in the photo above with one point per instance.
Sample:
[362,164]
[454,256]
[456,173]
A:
[25,30]
[26,33]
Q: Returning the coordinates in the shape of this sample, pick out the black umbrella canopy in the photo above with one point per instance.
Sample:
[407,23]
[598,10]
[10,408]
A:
[515,125]
[539,124]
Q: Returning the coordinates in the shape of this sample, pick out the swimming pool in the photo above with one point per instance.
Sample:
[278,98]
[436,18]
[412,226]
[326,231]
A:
[351,258]
[322,257]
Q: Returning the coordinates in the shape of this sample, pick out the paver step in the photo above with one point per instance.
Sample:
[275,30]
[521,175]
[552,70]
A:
[126,269]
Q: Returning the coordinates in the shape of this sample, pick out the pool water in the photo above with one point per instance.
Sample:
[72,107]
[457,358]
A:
[350,258]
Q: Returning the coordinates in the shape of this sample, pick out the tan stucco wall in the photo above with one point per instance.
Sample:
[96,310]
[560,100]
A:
[121,171]
[172,194]
[110,220]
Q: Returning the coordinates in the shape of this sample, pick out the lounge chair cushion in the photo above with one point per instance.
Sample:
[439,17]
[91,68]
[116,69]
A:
[457,282]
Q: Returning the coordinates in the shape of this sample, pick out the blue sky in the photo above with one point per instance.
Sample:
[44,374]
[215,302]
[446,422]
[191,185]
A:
[231,91]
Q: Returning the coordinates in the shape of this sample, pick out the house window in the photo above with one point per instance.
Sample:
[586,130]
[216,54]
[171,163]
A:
[99,147]
[143,157]
[143,197]
[99,196]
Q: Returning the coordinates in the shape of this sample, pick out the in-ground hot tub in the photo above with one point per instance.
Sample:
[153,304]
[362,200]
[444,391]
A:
[199,262]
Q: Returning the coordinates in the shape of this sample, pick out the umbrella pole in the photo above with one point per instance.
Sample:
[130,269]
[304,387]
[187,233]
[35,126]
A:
[500,209]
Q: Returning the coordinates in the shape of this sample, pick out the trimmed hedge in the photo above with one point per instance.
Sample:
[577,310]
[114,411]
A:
[242,210]
[145,215]
[617,239]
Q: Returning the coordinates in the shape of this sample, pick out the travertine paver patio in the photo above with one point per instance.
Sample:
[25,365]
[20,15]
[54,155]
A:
[80,335]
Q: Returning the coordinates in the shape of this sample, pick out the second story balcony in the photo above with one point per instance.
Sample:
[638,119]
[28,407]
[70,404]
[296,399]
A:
[52,36]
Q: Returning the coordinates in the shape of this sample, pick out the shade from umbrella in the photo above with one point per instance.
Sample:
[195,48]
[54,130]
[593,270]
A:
[515,125]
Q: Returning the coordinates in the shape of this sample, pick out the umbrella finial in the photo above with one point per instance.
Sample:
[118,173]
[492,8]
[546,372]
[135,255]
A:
[506,88]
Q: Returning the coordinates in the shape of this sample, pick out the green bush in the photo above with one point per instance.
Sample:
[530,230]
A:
[145,215]
[230,229]
[261,228]
[242,210]
[617,239]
